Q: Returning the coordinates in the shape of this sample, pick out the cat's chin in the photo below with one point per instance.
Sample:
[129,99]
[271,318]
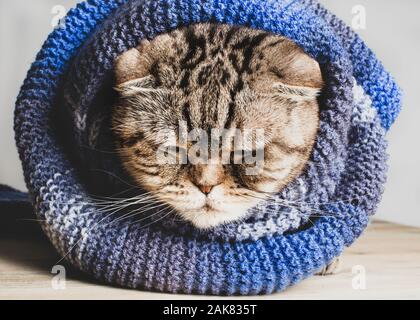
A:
[208,218]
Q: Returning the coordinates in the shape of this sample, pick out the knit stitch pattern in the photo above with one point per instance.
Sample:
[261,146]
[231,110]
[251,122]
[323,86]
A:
[269,251]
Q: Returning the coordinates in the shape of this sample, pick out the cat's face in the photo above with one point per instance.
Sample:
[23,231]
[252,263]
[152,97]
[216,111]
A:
[233,84]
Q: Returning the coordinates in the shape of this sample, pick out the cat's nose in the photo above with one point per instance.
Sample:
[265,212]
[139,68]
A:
[206,189]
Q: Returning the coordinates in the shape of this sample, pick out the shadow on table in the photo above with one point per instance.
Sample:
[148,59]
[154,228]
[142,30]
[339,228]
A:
[24,244]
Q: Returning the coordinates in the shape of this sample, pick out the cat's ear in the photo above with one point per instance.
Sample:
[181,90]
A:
[297,75]
[136,63]
[132,71]
[137,86]
[132,64]
[297,93]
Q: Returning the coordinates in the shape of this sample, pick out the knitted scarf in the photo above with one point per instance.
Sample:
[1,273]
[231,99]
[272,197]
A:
[70,86]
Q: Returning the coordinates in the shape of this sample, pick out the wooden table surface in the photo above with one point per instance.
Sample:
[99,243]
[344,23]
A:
[383,264]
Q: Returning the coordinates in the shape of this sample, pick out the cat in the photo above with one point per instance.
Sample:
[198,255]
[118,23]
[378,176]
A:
[214,76]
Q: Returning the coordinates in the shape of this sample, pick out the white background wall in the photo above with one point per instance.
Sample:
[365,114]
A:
[392,31]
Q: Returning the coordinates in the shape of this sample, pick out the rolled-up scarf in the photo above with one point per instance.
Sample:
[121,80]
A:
[63,138]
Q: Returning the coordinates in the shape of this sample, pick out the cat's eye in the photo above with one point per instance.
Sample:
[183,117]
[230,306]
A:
[178,154]
[245,156]
[177,150]
[277,73]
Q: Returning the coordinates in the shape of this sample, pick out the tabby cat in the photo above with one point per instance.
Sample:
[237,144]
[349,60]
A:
[228,78]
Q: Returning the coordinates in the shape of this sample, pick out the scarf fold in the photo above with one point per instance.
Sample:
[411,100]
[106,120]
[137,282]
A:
[61,121]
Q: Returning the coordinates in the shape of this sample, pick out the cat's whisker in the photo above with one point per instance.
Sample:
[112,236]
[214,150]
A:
[106,208]
[122,198]
[127,216]
[31,220]
[107,216]
[116,177]
[148,208]
[314,213]
[285,204]
[303,201]
[155,214]
[100,151]
[128,201]
[119,207]
[116,206]
[81,237]
[135,199]
[151,223]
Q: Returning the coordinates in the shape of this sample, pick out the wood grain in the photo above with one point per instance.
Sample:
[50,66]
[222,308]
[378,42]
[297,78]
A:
[389,254]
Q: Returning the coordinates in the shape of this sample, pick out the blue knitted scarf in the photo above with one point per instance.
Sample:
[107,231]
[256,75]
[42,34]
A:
[68,86]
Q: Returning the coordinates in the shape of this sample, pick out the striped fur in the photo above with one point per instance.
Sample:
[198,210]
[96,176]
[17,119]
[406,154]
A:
[212,76]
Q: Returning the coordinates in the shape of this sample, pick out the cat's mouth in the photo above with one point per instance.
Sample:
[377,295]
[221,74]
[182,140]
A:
[213,212]
[209,208]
